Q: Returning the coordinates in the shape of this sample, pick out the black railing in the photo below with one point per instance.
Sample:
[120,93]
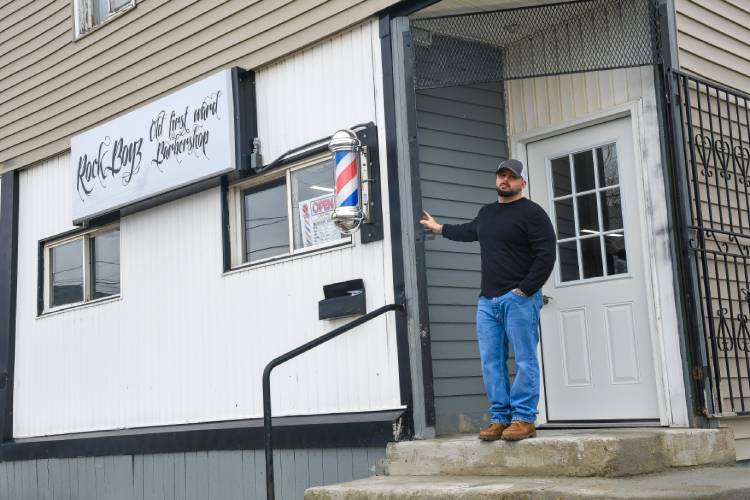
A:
[712,149]
[267,422]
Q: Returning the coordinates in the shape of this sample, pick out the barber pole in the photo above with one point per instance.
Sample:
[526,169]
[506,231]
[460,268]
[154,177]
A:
[347,179]
[346,149]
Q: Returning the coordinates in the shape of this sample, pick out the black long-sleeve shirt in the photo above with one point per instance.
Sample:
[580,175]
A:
[517,245]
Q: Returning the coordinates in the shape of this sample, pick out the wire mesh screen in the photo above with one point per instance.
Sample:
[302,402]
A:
[716,128]
[572,37]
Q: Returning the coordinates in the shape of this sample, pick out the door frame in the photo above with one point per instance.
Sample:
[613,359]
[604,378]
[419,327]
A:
[655,248]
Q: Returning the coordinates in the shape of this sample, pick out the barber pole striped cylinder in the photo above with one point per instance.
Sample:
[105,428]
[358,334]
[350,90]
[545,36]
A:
[345,147]
[347,179]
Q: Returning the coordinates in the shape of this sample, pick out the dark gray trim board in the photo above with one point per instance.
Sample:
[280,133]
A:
[399,287]
[8,276]
[310,431]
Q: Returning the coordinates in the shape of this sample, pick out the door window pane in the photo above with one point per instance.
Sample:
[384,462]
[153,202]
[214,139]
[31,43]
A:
[568,261]
[312,205]
[66,273]
[588,216]
[611,209]
[614,247]
[105,264]
[591,257]
[266,223]
[584,171]
[606,157]
[597,211]
[565,219]
[561,184]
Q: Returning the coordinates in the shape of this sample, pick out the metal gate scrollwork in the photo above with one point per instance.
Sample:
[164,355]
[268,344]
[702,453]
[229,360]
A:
[713,158]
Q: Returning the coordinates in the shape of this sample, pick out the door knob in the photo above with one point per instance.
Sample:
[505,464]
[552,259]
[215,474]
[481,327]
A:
[546,299]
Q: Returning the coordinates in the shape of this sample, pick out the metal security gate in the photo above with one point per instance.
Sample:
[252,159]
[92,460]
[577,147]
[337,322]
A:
[528,42]
[712,153]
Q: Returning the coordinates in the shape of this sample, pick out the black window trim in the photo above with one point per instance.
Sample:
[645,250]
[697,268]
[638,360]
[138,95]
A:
[43,282]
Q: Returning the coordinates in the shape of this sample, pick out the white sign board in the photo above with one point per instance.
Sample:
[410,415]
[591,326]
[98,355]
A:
[317,225]
[177,140]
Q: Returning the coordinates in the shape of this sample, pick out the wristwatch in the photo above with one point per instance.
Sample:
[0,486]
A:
[519,292]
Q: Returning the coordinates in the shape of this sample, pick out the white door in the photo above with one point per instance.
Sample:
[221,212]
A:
[595,329]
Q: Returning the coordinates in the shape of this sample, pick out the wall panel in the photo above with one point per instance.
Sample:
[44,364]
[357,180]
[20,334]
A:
[186,343]
[213,475]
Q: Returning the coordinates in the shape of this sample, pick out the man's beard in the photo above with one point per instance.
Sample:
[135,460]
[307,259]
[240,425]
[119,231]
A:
[506,194]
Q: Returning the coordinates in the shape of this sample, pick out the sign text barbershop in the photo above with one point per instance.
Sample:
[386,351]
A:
[179,139]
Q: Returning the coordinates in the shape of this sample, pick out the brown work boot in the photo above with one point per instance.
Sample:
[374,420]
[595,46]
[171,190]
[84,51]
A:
[518,430]
[492,432]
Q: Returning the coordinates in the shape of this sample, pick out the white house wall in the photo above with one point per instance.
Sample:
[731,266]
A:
[186,343]
[319,90]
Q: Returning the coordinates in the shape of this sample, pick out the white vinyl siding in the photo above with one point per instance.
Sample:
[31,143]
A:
[184,342]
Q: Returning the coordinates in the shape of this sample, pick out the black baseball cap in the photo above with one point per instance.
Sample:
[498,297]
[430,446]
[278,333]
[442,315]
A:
[514,166]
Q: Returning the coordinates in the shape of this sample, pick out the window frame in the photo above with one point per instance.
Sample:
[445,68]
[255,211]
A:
[281,176]
[83,26]
[45,283]
[601,234]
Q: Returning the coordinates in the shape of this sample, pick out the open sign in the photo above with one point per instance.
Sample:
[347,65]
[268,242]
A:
[316,225]
[323,205]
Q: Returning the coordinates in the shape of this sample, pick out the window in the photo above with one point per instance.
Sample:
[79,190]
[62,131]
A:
[90,14]
[588,214]
[286,212]
[82,268]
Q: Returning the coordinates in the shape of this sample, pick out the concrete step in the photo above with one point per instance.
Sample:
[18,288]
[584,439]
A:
[607,453]
[702,483]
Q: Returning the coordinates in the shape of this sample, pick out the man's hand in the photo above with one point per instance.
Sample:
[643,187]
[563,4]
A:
[429,223]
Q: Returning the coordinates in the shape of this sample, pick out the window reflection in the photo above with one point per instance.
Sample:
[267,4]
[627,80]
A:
[614,247]
[584,171]
[606,158]
[312,205]
[591,257]
[565,218]
[561,176]
[611,209]
[568,261]
[266,223]
[105,259]
[590,201]
[66,267]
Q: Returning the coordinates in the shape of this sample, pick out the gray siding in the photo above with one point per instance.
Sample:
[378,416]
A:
[213,475]
[461,133]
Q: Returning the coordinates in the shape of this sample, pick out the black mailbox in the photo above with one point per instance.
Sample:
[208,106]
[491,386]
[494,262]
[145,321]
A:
[343,299]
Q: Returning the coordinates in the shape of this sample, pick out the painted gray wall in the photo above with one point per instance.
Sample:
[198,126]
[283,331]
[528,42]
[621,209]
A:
[212,475]
[462,137]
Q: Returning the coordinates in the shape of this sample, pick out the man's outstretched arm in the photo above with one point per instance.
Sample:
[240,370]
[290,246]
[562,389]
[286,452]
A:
[456,232]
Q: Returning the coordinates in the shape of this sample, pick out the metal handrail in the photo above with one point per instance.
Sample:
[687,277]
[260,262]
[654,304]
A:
[267,424]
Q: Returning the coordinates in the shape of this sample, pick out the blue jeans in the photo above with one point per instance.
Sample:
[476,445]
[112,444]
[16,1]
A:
[512,319]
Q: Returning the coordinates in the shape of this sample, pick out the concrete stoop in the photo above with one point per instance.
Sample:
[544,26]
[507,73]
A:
[608,453]
[723,483]
[623,463]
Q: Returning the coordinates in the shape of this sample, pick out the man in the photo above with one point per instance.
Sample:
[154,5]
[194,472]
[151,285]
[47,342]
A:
[517,244]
